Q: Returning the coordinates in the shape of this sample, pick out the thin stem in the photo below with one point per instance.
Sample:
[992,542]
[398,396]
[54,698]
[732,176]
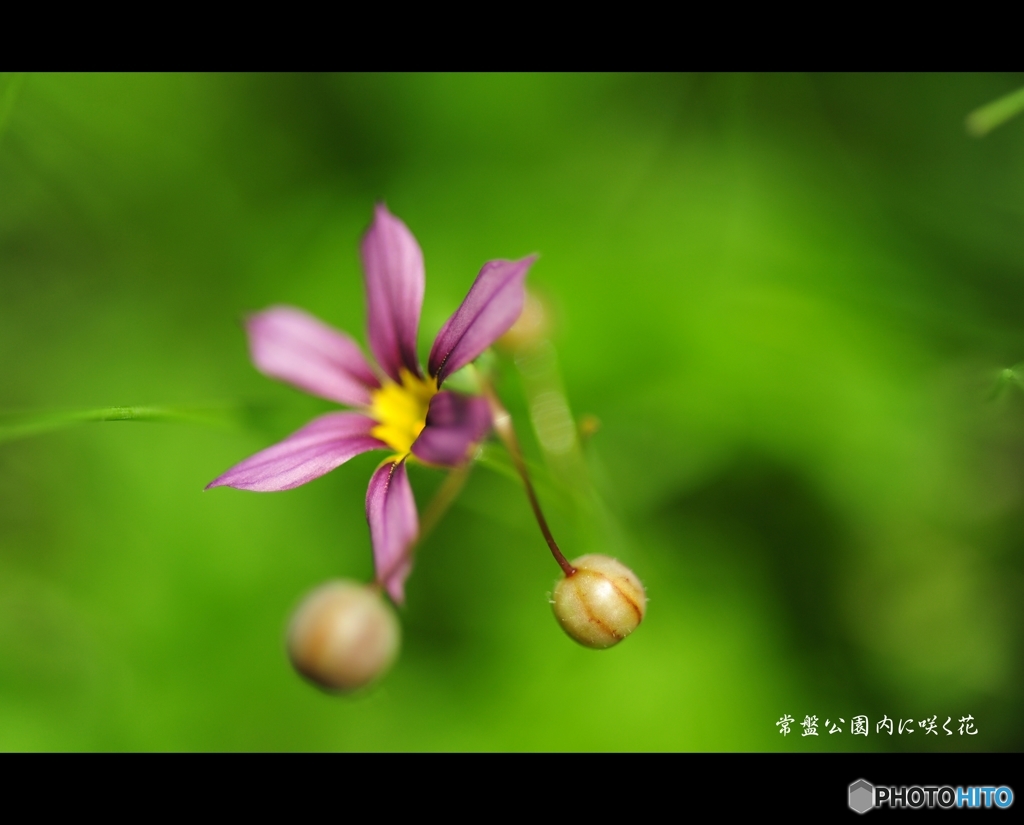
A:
[24,424]
[506,432]
[442,500]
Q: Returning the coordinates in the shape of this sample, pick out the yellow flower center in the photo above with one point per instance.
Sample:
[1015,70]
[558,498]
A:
[401,410]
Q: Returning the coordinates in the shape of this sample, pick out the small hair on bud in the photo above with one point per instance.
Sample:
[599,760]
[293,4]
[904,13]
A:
[601,603]
[343,636]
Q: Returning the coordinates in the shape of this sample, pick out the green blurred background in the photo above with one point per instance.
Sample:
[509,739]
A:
[786,298]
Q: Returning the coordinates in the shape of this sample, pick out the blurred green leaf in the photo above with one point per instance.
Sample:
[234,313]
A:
[986,118]
[10,86]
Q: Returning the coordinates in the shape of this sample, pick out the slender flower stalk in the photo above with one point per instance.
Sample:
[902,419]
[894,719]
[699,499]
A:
[599,601]
[506,432]
[442,500]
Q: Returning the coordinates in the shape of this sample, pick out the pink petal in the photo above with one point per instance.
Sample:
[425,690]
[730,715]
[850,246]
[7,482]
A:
[323,444]
[291,345]
[394,525]
[492,306]
[393,267]
[455,422]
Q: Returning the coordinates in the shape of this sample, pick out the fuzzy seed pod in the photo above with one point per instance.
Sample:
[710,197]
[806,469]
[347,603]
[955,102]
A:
[343,636]
[601,603]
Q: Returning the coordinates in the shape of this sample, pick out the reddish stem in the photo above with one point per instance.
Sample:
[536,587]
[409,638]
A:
[506,432]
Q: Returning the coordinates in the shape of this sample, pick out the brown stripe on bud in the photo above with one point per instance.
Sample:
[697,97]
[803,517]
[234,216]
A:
[601,603]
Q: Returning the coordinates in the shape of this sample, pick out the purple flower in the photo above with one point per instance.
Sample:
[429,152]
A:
[398,407]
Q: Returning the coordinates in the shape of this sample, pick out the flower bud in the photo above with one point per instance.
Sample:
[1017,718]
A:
[601,603]
[343,635]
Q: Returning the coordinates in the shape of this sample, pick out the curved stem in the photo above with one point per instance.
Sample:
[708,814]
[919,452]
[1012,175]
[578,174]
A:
[506,432]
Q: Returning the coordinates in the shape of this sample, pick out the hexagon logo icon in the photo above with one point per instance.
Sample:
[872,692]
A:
[862,796]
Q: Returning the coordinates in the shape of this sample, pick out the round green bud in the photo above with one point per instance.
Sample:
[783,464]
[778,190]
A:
[601,603]
[343,636]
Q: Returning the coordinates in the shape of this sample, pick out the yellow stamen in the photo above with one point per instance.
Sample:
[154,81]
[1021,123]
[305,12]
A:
[401,410]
